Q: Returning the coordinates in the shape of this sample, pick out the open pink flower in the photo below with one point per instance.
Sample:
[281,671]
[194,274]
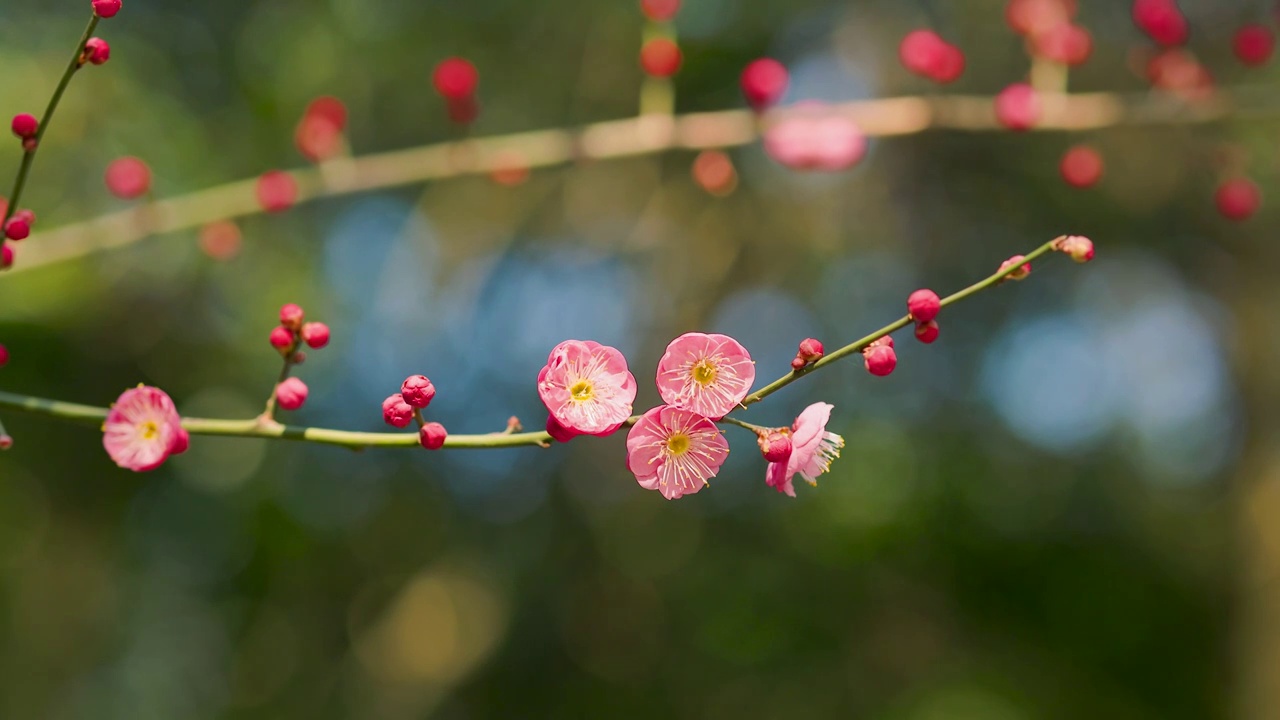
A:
[675,451]
[143,429]
[708,374]
[815,137]
[587,388]
[812,450]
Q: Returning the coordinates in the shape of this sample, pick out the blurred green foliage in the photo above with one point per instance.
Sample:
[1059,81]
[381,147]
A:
[1007,536]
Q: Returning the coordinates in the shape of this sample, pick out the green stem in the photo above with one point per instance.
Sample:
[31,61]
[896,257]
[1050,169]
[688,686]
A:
[29,156]
[735,421]
[266,428]
[859,345]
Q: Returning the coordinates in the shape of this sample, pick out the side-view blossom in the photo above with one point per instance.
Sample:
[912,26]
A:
[812,450]
[587,388]
[143,429]
[708,374]
[675,451]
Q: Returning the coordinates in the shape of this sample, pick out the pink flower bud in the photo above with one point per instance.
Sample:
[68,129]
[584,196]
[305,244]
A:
[925,53]
[96,51]
[1238,199]
[1020,273]
[1081,166]
[432,435]
[315,335]
[418,391]
[660,10]
[277,191]
[1080,248]
[6,256]
[775,445]
[396,412]
[181,442]
[298,358]
[291,394]
[558,432]
[880,360]
[1018,107]
[514,425]
[797,363]
[106,8]
[886,341]
[660,57]
[764,82]
[4,356]
[455,78]
[927,332]
[281,339]
[16,229]
[923,305]
[810,350]
[27,216]
[291,316]
[6,441]
[25,125]
[1161,20]
[128,178]
[1254,44]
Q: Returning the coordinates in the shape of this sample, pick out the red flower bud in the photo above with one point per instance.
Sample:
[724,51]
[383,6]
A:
[923,305]
[418,391]
[396,412]
[315,335]
[880,359]
[927,332]
[775,445]
[281,339]
[291,394]
[291,316]
[432,436]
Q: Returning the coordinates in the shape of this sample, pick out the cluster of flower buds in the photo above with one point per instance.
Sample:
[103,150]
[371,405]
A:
[660,56]
[923,306]
[925,53]
[18,226]
[456,80]
[96,51]
[319,133]
[288,338]
[809,352]
[406,406]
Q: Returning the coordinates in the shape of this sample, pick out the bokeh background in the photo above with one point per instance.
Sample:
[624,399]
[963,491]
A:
[1065,508]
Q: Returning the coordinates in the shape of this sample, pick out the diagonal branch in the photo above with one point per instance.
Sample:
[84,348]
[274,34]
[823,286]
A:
[644,135]
[266,428]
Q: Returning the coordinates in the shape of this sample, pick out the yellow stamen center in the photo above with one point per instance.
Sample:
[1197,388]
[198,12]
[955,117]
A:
[678,444]
[582,391]
[704,373]
[149,430]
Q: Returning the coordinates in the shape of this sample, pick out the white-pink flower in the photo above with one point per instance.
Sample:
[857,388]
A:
[815,137]
[587,388]
[708,374]
[675,451]
[143,429]
[812,450]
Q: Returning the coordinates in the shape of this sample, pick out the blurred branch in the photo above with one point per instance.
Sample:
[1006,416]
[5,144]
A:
[266,428]
[644,135]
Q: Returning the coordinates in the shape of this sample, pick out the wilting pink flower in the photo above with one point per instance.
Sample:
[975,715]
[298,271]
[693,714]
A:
[814,137]
[812,450]
[708,374]
[587,388]
[675,451]
[143,429]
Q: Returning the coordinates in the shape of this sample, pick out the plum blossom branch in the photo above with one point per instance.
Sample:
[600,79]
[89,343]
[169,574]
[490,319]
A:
[631,137]
[32,144]
[265,428]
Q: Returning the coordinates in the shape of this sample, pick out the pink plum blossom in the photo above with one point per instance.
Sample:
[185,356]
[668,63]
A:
[815,137]
[675,451]
[708,374]
[587,389]
[143,429]
[812,450]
